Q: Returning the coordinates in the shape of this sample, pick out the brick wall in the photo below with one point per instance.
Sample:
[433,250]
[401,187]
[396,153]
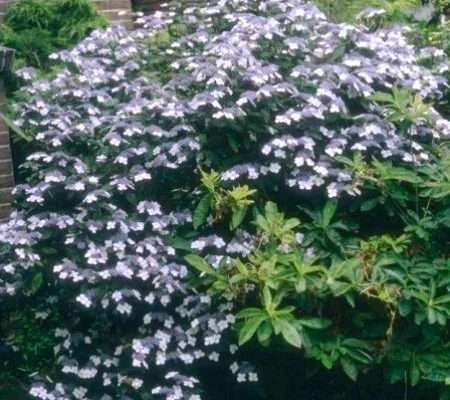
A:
[6,170]
[111,8]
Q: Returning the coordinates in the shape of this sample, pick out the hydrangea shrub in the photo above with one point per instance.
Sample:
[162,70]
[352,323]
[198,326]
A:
[283,102]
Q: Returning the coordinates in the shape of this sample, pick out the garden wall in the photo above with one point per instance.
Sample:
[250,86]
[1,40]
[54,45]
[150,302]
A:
[6,172]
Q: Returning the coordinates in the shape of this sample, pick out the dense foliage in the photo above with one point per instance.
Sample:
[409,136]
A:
[396,10]
[38,28]
[298,164]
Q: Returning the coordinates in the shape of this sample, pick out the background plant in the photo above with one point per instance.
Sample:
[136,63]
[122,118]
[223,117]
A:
[38,28]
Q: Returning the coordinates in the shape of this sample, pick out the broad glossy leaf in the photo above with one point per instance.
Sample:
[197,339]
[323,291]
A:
[350,368]
[202,210]
[290,333]
[250,327]
[264,332]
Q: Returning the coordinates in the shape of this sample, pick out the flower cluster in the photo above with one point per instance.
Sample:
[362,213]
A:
[251,88]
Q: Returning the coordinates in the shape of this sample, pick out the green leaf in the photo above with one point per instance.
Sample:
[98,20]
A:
[349,368]
[202,210]
[381,97]
[285,311]
[220,286]
[250,312]
[179,243]
[264,332]
[267,297]
[262,223]
[290,333]
[49,250]
[132,199]
[404,175]
[404,307]
[271,210]
[326,360]
[200,264]
[315,323]
[370,204]
[290,224]
[414,372]
[300,285]
[340,288]
[242,268]
[329,211]
[36,282]
[359,355]
[249,328]
[442,300]
[237,216]
[236,279]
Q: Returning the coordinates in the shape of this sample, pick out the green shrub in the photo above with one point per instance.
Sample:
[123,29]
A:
[37,28]
[346,10]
